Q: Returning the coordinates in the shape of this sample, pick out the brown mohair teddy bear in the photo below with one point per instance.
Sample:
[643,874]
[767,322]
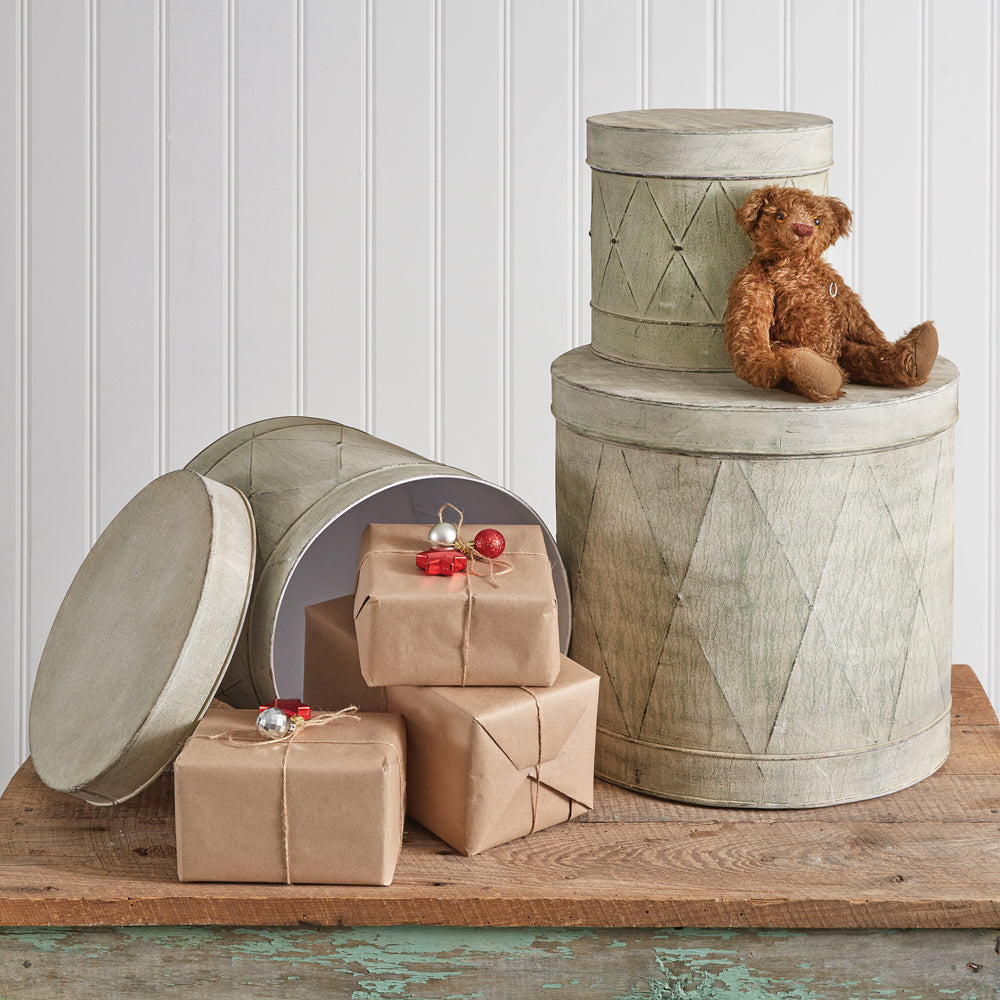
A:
[791,321]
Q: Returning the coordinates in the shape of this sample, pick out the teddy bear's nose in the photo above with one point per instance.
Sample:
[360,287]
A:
[801,229]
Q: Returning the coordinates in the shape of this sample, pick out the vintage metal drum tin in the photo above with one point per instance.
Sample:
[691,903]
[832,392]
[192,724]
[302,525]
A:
[313,485]
[763,583]
[664,241]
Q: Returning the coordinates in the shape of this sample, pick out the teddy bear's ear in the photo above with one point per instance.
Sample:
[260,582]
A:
[749,212]
[841,218]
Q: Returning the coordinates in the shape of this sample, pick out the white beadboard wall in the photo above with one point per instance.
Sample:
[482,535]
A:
[214,211]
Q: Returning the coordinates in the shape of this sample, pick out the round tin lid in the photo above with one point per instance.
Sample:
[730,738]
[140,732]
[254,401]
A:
[142,638]
[716,413]
[723,143]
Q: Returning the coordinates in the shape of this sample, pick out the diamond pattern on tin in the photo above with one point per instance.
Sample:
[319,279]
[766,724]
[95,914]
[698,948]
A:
[765,607]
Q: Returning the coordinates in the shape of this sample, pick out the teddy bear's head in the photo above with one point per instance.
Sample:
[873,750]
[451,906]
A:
[791,222]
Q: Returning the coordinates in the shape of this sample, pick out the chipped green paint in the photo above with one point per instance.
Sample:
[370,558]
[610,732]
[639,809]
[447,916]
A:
[440,963]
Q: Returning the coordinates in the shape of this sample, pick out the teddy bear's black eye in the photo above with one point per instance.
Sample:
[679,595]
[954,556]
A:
[816,221]
[781,217]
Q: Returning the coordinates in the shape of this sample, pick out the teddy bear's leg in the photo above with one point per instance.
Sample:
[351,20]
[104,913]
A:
[766,364]
[795,368]
[816,377]
[906,363]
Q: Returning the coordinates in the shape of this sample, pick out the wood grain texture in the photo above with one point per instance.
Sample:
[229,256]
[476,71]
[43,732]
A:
[429,962]
[928,857]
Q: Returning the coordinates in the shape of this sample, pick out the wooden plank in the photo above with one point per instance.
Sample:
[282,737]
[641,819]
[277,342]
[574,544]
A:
[926,857]
[299,963]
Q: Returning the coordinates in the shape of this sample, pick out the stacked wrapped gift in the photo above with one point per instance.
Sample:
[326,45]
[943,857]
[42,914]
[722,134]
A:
[314,799]
[462,640]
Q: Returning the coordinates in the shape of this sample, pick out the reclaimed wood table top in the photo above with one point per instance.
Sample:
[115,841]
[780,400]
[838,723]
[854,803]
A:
[925,857]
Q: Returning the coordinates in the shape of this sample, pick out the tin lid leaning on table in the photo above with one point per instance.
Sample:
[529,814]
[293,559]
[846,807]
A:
[142,638]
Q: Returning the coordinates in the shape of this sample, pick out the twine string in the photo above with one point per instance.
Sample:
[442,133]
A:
[534,786]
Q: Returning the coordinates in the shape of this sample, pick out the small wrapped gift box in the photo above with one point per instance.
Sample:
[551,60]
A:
[323,807]
[332,671]
[459,630]
[488,765]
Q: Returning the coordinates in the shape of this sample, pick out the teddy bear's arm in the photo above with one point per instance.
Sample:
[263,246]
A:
[749,317]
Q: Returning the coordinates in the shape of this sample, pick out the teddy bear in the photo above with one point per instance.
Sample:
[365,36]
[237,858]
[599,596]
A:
[793,323]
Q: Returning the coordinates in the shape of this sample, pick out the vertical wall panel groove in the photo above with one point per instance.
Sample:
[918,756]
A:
[508,250]
[577,207]
[232,270]
[193,162]
[644,53]
[437,203]
[926,141]
[370,166]
[92,223]
[573,169]
[857,126]
[788,65]
[333,184]
[22,527]
[300,210]
[469,235]
[992,664]
[718,47]
[161,297]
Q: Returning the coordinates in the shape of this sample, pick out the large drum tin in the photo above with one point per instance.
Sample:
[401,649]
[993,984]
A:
[764,584]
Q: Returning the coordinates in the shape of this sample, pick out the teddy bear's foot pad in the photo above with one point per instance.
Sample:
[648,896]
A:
[814,376]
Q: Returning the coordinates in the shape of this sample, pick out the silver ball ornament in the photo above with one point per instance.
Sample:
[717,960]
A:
[273,723]
[443,534]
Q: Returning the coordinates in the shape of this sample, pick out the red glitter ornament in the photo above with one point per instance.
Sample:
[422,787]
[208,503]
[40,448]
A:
[490,543]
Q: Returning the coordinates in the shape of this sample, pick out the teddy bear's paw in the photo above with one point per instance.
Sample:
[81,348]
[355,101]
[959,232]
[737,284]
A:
[814,376]
[924,340]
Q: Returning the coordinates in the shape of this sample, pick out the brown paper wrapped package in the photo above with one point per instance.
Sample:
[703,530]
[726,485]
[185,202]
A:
[344,794]
[414,628]
[488,765]
[332,673]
